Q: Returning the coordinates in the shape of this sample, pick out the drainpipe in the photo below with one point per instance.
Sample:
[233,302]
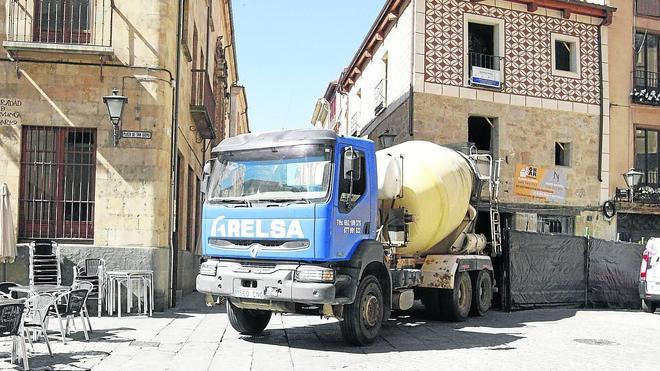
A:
[411,102]
[173,193]
[602,108]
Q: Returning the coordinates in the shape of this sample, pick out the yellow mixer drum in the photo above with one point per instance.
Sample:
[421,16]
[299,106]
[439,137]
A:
[437,185]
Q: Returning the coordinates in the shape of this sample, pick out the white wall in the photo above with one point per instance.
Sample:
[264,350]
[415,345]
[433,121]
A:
[398,47]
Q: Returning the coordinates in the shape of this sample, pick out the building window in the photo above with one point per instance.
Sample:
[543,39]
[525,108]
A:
[647,66]
[62,21]
[565,55]
[58,171]
[480,133]
[484,46]
[562,154]
[649,8]
[380,93]
[555,224]
[646,156]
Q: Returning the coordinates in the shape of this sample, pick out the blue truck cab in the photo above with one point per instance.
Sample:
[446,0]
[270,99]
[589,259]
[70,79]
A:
[289,223]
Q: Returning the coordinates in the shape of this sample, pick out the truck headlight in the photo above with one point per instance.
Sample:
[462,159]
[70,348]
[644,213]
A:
[208,269]
[315,274]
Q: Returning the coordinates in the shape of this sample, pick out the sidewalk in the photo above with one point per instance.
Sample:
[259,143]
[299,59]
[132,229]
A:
[195,337]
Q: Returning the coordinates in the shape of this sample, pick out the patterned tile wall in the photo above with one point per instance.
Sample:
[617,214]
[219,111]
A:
[527,56]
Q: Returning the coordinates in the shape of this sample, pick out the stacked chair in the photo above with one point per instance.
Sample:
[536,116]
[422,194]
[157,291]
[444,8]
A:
[92,270]
[45,267]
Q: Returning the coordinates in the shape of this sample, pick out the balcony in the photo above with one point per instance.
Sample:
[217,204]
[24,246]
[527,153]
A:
[202,104]
[646,87]
[489,75]
[72,26]
[380,96]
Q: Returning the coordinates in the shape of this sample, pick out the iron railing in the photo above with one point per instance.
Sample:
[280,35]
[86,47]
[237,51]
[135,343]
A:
[202,103]
[491,62]
[202,93]
[66,22]
[380,96]
[646,87]
[354,123]
[647,195]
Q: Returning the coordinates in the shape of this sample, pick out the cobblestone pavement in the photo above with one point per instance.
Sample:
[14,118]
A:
[194,337]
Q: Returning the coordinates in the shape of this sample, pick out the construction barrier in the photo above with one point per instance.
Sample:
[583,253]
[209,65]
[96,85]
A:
[559,270]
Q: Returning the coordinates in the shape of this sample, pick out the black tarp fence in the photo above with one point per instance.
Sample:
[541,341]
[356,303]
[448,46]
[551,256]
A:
[559,270]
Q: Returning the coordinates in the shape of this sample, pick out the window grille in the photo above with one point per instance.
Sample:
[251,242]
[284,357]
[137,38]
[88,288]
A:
[58,169]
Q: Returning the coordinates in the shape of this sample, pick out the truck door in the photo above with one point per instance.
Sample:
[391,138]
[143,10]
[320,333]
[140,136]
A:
[352,212]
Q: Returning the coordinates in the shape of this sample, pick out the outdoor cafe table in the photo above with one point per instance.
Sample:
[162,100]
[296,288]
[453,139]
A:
[144,279]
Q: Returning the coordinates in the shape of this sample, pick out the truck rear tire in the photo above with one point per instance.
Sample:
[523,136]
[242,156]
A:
[649,306]
[364,318]
[456,303]
[482,294]
[247,321]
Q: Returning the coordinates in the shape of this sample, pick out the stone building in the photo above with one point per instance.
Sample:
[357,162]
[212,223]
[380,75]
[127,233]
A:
[521,80]
[132,195]
[634,125]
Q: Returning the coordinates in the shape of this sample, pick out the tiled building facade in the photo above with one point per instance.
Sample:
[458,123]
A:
[545,107]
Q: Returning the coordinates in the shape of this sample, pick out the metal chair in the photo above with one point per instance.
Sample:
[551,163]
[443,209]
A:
[85,285]
[11,317]
[4,290]
[36,317]
[75,302]
[92,270]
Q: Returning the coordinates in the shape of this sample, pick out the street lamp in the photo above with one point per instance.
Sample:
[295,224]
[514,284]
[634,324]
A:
[386,139]
[115,104]
[632,178]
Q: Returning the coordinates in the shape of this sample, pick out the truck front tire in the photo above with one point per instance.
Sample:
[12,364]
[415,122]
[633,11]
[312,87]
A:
[456,303]
[247,321]
[482,293]
[364,318]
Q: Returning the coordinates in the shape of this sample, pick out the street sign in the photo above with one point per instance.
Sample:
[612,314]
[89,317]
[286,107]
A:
[486,77]
[130,134]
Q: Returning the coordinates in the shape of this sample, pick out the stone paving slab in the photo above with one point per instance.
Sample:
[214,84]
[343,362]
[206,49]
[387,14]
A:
[196,337]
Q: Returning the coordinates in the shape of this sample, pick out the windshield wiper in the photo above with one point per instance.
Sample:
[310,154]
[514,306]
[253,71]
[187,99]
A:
[234,202]
[285,200]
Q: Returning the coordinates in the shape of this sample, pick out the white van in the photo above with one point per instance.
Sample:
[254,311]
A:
[649,276]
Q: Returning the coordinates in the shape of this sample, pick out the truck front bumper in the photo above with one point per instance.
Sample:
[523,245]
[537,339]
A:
[263,283]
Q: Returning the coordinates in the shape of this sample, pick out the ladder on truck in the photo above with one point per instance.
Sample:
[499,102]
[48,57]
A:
[488,171]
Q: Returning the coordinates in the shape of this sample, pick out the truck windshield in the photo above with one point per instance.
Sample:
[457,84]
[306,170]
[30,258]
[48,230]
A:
[281,174]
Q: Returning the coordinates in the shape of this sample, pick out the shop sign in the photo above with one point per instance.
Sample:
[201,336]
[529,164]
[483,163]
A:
[9,111]
[131,134]
[541,184]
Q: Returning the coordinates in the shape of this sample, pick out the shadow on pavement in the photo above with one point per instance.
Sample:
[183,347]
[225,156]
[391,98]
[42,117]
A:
[413,332]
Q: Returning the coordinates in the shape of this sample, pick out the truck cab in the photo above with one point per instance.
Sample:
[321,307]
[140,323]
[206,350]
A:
[289,222]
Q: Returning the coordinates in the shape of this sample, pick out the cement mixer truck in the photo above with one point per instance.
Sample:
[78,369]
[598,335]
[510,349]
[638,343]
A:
[306,221]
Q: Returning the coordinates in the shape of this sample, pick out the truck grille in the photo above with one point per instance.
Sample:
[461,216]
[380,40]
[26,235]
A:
[245,244]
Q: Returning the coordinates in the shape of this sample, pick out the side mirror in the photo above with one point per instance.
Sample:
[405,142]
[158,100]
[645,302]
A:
[205,176]
[352,165]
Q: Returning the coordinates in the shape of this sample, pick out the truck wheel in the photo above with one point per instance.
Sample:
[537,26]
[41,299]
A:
[482,294]
[364,318]
[649,306]
[456,302]
[247,321]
